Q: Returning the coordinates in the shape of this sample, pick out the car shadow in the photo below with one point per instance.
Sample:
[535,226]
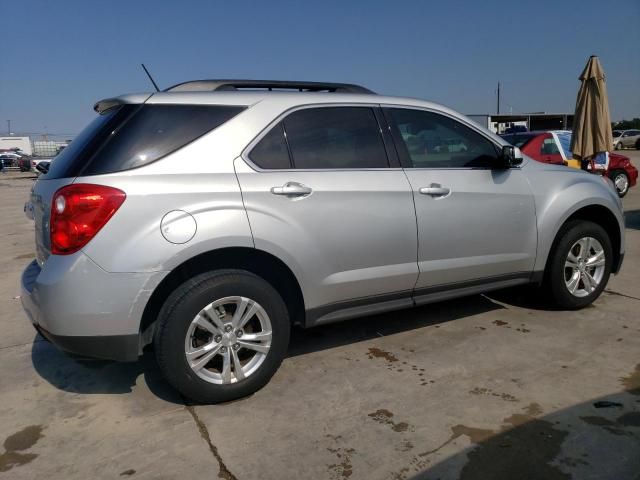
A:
[632,219]
[89,376]
[333,335]
[598,438]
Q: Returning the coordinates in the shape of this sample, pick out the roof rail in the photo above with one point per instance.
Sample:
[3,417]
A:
[222,85]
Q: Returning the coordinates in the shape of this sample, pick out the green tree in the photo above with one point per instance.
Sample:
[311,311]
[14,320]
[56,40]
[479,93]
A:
[627,124]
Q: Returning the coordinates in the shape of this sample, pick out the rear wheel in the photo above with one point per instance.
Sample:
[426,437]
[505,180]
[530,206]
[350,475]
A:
[621,181]
[580,265]
[638,144]
[222,335]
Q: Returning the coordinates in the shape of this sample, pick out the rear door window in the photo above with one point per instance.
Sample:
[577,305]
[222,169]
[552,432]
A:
[131,136]
[335,138]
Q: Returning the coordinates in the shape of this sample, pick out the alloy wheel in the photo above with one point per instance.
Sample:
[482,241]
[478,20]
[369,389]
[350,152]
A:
[584,267]
[228,340]
[621,182]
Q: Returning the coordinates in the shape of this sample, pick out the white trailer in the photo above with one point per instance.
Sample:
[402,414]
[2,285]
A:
[11,142]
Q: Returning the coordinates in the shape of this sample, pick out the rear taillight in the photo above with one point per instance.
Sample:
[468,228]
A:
[78,212]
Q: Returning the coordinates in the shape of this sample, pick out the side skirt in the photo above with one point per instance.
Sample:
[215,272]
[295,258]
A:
[361,307]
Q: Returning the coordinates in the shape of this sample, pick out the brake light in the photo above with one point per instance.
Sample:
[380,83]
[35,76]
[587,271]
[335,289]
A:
[78,212]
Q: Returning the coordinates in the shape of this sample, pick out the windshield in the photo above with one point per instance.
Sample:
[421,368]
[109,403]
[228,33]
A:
[70,161]
[617,133]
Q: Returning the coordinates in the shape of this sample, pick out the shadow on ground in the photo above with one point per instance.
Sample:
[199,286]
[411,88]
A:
[77,375]
[632,219]
[333,335]
[86,376]
[596,439]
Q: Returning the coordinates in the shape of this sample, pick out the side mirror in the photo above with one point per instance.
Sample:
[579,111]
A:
[510,156]
[43,167]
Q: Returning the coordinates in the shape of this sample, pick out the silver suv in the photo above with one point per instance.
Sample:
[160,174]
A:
[209,218]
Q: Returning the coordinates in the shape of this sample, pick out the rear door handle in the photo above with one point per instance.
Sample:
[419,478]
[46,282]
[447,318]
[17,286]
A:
[292,189]
[435,190]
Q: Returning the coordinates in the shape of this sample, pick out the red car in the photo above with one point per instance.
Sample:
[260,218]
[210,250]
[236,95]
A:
[553,147]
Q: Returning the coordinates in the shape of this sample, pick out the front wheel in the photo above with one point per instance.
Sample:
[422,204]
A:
[580,265]
[221,335]
[618,146]
[621,181]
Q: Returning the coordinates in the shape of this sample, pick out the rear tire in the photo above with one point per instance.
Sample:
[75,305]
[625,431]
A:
[637,144]
[239,358]
[579,265]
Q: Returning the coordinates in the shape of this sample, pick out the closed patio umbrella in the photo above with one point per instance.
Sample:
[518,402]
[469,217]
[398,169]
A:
[591,123]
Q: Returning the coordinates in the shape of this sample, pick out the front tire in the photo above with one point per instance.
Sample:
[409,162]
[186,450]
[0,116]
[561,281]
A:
[621,181]
[221,335]
[618,146]
[579,265]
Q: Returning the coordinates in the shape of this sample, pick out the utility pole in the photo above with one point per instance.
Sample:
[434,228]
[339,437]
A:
[498,111]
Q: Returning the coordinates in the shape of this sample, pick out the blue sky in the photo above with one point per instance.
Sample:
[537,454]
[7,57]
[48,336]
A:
[58,58]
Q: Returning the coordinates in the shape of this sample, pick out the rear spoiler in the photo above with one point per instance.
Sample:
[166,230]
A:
[108,103]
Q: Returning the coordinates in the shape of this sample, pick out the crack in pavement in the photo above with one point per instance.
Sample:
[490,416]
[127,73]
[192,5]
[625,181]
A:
[224,472]
[22,344]
[612,292]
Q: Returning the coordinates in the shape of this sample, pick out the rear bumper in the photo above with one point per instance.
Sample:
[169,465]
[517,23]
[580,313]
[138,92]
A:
[85,310]
[123,348]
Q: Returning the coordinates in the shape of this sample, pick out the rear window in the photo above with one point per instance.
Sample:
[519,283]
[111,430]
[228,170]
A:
[131,136]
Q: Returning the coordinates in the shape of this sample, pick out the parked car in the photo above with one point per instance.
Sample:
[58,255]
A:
[7,160]
[626,139]
[207,220]
[554,147]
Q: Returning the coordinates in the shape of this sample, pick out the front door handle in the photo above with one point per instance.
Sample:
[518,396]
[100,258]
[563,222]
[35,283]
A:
[292,189]
[435,190]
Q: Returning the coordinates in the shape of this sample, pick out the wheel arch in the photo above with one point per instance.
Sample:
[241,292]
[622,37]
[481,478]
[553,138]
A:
[259,262]
[600,215]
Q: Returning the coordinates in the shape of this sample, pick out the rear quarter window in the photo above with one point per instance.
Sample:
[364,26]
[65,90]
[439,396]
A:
[132,136]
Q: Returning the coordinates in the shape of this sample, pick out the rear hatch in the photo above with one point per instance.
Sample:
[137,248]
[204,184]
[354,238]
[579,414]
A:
[126,134]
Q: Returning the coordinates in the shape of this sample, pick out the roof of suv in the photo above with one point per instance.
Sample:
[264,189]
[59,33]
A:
[284,93]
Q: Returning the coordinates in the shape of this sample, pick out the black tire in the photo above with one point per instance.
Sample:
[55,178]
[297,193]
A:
[555,272]
[183,305]
[637,144]
[616,173]
[618,146]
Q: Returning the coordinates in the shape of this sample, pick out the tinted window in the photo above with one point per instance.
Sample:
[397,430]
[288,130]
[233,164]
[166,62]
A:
[77,154]
[335,137]
[616,133]
[271,152]
[435,141]
[154,131]
[131,136]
